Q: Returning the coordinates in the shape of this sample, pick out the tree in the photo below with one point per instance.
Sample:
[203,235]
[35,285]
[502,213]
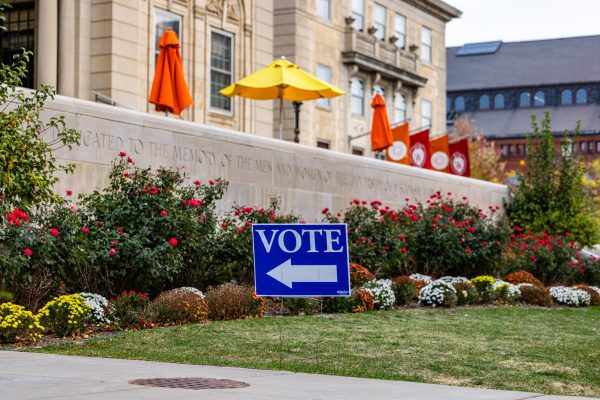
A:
[483,156]
[27,165]
[591,181]
[551,197]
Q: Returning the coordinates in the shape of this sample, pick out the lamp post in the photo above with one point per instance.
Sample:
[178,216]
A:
[297,106]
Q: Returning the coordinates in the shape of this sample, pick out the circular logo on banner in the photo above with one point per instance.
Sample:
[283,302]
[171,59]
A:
[439,160]
[397,151]
[458,163]
[418,154]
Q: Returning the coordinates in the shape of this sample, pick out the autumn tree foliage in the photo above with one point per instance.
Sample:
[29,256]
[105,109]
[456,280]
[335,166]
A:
[483,154]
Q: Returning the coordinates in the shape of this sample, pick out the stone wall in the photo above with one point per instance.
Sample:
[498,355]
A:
[305,178]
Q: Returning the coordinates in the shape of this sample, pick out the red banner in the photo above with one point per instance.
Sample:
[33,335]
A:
[419,149]
[440,156]
[398,152]
[459,158]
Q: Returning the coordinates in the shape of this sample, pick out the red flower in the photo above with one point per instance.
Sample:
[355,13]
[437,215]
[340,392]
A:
[100,224]
[85,229]
[237,212]
[163,213]
[404,250]
[325,210]
[154,190]
[122,154]
[130,160]
[356,201]
[173,242]
[194,203]
[112,251]
[239,229]
[197,183]
[125,174]
[401,237]
[69,192]
[54,232]
[469,250]
[120,230]
[28,252]
[211,182]
[183,202]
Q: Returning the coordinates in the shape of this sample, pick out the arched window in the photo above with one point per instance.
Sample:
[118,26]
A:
[459,104]
[484,102]
[357,89]
[525,100]
[499,101]
[539,99]
[380,90]
[448,104]
[566,97]
[399,108]
[581,96]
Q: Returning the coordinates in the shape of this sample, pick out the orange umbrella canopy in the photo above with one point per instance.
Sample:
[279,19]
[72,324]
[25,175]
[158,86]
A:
[169,90]
[381,134]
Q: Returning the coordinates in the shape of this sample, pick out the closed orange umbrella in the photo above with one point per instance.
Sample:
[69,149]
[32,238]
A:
[381,134]
[169,91]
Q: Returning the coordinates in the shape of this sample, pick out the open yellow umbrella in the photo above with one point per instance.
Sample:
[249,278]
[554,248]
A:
[282,80]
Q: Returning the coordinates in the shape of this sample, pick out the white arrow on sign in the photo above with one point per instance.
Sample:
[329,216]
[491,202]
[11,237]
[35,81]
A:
[287,273]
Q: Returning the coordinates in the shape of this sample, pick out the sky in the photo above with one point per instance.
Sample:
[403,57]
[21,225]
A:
[519,20]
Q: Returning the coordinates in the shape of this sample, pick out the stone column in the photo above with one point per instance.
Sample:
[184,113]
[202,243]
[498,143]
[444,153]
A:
[47,43]
[68,38]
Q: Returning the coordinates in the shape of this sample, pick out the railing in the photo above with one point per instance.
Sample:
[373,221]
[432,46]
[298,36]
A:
[388,53]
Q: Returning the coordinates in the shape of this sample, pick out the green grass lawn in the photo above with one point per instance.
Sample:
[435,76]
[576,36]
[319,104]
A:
[553,351]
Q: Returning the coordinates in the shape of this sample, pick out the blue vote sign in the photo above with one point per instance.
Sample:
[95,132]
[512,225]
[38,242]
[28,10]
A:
[298,260]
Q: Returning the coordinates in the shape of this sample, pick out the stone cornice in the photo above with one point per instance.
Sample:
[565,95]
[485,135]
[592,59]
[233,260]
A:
[437,8]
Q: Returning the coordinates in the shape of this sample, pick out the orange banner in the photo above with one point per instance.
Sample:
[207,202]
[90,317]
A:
[440,157]
[398,152]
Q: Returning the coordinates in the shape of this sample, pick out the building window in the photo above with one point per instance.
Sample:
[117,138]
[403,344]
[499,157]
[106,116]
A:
[539,99]
[484,102]
[525,100]
[20,33]
[379,18]
[399,108]
[499,101]
[426,113]
[324,9]
[597,147]
[379,155]
[581,96]
[324,73]
[358,151]
[510,150]
[504,150]
[400,30]
[164,20]
[582,147]
[590,147]
[357,89]
[323,144]
[221,69]
[459,104]
[379,89]
[448,104]
[566,97]
[358,13]
[426,43]
[519,149]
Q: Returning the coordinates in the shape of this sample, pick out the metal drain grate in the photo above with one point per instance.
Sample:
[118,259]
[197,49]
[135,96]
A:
[190,383]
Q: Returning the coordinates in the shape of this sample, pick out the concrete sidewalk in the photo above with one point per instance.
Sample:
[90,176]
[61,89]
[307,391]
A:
[28,376]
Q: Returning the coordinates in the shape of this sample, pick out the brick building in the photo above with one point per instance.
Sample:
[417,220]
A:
[500,85]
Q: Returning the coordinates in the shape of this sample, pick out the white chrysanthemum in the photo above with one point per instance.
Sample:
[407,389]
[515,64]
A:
[453,279]
[382,293]
[434,294]
[596,288]
[513,291]
[99,305]
[570,296]
[421,278]
[190,290]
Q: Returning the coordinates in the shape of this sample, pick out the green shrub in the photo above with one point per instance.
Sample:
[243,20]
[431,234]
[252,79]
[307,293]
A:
[18,324]
[551,197]
[302,305]
[404,290]
[126,310]
[65,315]
[231,301]
[466,293]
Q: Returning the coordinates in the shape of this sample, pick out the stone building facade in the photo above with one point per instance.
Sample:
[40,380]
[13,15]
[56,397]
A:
[105,50]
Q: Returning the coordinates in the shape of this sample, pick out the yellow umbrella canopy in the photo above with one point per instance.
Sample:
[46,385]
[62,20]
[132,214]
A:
[282,80]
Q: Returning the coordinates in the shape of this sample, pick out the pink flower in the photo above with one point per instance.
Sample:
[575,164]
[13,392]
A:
[69,192]
[163,213]
[54,232]
[28,252]
[85,229]
[173,242]
[122,154]
[112,251]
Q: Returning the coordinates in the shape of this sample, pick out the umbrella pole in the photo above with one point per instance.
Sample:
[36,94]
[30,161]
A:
[280,112]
